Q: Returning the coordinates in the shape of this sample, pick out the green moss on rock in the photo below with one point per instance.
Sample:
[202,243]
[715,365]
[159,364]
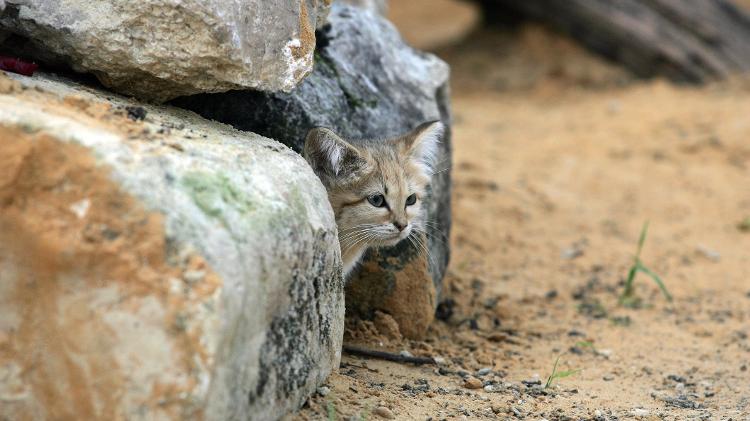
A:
[214,192]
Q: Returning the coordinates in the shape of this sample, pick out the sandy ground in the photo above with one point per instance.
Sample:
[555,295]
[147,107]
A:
[559,160]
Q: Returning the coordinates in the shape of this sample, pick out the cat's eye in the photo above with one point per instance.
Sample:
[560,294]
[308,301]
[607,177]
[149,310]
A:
[377,200]
[412,199]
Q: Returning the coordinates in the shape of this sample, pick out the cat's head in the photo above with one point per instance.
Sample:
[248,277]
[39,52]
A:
[376,188]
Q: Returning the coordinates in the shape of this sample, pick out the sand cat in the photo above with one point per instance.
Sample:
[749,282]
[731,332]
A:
[375,187]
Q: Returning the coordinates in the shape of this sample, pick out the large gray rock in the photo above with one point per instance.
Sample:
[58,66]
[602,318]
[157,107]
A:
[366,84]
[156,265]
[160,49]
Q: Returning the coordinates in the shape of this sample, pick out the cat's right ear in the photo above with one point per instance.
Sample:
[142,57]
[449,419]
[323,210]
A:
[328,154]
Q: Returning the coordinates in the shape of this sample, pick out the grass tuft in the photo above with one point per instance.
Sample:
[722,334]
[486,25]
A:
[621,320]
[744,225]
[558,374]
[628,297]
[585,344]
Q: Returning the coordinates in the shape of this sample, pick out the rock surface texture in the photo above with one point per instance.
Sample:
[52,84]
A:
[366,84]
[376,6]
[161,49]
[156,265]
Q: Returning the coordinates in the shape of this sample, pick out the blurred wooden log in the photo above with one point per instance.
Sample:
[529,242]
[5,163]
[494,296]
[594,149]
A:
[684,40]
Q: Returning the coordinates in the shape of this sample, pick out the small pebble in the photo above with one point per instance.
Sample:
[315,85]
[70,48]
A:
[472,383]
[608,377]
[439,360]
[323,390]
[606,353]
[406,353]
[571,253]
[489,388]
[614,106]
[640,412]
[383,412]
[484,371]
[712,255]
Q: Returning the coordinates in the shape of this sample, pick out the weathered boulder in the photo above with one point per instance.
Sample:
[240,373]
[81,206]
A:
[161,49]
[366,84]
[154,265]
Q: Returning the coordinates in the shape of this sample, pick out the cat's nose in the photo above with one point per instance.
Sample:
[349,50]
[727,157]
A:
[399,225]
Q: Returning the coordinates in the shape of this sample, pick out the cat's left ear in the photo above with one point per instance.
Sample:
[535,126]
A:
[331,156]
[422,143]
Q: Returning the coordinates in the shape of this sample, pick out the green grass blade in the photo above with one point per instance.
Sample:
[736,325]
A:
[558,374]
[641,240]
[744,225]
[331,411]
[567,373]
[552,376]
[585,344]
[656,279]
[628,290]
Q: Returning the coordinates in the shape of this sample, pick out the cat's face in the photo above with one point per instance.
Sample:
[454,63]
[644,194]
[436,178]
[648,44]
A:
[376,188]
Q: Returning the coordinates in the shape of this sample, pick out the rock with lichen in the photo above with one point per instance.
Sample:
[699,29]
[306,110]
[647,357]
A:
[156,265]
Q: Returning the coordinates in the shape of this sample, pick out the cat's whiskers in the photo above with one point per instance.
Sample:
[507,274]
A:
[432,235]
[418,243]
[363,233]
[364,239]
[354,238]
[355,230]
[362,227]
[435,227]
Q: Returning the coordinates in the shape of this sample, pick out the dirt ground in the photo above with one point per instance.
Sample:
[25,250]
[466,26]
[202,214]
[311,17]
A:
[559,160]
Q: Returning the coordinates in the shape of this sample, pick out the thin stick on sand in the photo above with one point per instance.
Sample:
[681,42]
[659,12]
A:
[388,356]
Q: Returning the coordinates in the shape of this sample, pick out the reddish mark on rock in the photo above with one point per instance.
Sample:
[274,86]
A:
[16,65]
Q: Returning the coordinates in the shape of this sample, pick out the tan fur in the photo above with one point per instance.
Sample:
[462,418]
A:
[355,170]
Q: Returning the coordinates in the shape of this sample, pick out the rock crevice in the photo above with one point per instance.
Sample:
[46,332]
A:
[367,83]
